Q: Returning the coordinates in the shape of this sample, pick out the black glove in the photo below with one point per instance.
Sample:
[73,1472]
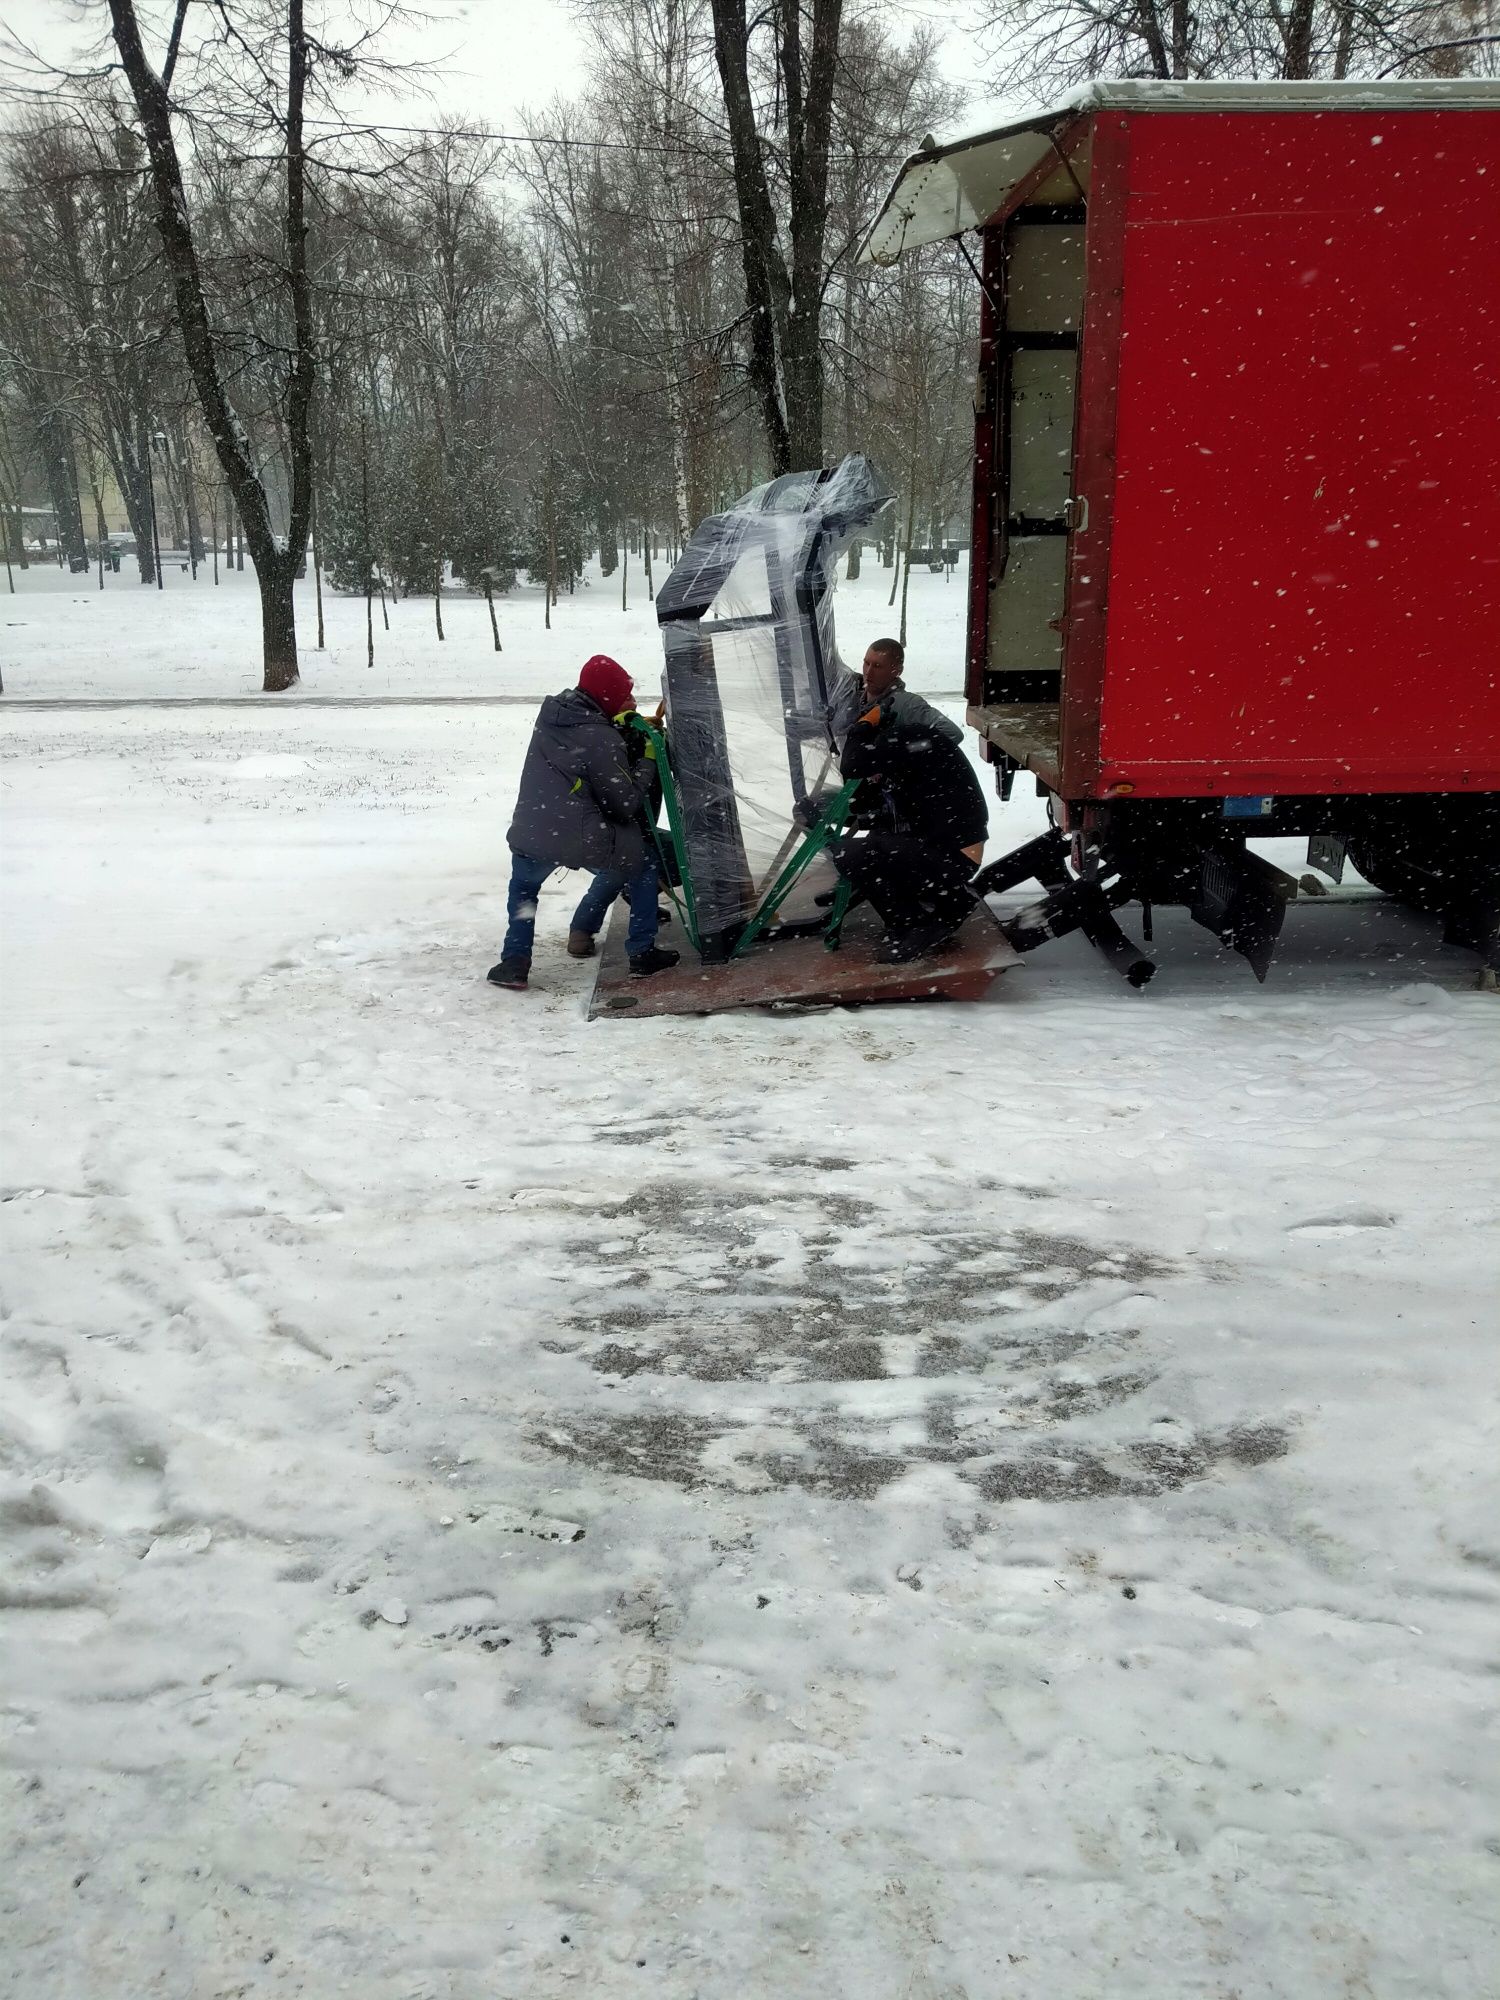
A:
[807,812]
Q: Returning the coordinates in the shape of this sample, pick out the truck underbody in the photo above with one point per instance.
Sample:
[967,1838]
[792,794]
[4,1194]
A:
[1438,853]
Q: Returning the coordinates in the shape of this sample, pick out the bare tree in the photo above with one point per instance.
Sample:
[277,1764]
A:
[45,385]
[680,321]
[783,289]
[275,568]
[75,195]
[255,67]
[1053,44]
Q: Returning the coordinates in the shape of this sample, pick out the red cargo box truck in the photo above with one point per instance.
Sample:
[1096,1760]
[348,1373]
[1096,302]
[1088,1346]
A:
[1236,532]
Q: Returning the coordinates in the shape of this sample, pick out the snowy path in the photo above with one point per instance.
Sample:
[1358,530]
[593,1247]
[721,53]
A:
[930,1505]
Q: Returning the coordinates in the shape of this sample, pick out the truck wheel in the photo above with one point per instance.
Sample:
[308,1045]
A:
[1392,867]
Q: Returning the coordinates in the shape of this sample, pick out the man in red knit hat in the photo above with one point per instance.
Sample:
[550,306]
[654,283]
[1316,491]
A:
[582,804]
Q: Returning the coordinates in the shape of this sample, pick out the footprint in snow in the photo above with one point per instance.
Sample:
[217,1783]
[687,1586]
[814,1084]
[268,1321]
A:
[1352,1224]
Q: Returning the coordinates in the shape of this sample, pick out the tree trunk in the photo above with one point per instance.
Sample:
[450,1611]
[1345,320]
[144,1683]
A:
[1345,46]
[155,531]
[1148,25]
[802,370]
[154,110]
[437,595]
[56,445]
[317,567]
[852,571]
[129,467]
[135,491]
[681,502]
[765,272]
[489,598]
[551,548]
[1182,21]
[785,364]
[1298,32]
[190,495]
[167,484]
[101,532]
[126,450]
[278,625]
[904,567]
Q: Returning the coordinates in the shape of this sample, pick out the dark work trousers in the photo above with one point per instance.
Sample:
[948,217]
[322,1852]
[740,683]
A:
[911,882]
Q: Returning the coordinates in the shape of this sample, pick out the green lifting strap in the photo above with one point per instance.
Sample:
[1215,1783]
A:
[830,825]
[672,851]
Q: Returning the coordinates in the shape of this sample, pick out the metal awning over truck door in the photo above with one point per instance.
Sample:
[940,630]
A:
[954,188]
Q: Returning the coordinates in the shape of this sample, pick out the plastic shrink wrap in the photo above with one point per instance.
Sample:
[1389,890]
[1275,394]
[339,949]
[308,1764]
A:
[747,624]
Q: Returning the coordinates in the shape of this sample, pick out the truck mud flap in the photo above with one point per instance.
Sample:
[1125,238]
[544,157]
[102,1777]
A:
[1242,899]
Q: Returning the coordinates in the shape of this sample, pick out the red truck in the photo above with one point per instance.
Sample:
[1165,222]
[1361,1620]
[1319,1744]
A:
[1235,567]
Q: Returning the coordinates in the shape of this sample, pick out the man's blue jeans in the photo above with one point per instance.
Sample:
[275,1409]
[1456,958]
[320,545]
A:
[527,877]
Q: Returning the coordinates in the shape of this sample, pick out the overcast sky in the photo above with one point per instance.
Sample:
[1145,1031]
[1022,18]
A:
[478,58]
[481,59]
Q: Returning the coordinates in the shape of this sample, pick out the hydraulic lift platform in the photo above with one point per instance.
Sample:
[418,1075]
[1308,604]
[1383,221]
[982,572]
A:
[800,972]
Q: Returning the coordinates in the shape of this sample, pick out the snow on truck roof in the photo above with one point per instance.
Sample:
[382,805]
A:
[957,182]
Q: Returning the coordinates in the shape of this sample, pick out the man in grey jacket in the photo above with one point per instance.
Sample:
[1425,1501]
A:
[582,804]
[880,678]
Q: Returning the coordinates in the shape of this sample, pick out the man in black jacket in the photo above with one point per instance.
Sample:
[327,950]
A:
[582,804]
[925,822]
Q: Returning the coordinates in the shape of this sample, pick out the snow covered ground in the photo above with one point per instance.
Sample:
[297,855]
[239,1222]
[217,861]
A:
[62,637]
[955,1503]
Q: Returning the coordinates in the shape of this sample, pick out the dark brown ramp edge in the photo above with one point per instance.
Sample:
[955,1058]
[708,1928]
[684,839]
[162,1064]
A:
[797,972]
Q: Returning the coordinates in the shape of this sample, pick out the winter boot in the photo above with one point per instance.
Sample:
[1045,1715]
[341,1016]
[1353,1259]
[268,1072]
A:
[644,963]
[511,972]
[580,944]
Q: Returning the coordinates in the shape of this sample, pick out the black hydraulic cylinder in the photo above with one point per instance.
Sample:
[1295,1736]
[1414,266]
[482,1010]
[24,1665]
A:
[1044,858]
[1080,906]
[1099,926]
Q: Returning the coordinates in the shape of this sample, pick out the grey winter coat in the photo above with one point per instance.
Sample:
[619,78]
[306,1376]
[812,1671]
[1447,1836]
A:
[848,702]
[580,802]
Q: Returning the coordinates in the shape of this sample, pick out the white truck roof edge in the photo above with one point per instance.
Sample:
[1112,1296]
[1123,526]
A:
[957,182]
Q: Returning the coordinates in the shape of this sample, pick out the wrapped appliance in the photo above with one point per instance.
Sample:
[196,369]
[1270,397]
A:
[751,662]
